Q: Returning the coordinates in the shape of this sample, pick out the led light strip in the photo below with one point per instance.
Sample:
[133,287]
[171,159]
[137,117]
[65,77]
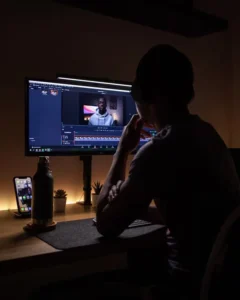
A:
[93,81]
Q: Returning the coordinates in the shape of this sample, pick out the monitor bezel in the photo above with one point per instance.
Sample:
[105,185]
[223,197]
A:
[56,153]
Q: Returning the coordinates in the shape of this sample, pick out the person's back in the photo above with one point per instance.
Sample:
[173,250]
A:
[200,188]
[186,167]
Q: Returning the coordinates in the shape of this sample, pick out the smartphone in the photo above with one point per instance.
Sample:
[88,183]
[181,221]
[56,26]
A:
[23,192]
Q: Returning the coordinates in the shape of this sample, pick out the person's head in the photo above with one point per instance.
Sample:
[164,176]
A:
[163,85]
[102,105]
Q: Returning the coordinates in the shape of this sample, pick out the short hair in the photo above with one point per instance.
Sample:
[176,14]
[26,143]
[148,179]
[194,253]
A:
[167,71]
[102,97]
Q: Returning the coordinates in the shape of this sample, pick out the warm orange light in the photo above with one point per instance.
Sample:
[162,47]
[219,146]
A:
[74,191]
[6,205]
[71,201]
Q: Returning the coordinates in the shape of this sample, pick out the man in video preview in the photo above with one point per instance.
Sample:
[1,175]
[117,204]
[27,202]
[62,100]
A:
[101,116]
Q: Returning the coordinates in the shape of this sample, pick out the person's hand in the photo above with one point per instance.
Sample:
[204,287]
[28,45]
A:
[115,189]
[131,134]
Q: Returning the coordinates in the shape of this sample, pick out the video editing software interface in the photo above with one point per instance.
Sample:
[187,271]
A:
[73,118]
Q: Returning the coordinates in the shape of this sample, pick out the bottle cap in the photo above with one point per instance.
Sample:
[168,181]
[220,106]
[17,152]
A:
[44,160]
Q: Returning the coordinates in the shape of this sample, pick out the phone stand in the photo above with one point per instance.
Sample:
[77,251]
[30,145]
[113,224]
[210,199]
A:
[21,216]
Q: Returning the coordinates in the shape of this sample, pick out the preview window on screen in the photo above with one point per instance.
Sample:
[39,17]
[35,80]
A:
[74,118]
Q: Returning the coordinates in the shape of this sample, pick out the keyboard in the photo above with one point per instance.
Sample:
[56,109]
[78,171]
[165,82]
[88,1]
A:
[136,223]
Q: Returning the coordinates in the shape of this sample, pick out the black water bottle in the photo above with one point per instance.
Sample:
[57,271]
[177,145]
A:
[42,204]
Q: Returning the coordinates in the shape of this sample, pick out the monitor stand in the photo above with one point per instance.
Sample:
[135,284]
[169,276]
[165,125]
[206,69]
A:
[87,179]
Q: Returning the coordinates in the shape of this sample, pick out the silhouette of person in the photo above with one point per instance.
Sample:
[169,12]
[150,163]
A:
[101,117]
[186,168]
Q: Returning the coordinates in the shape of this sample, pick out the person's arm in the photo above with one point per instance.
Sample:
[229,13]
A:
[133,198]
[116,173]
[114,214]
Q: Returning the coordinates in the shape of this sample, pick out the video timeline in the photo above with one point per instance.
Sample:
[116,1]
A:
[92,137]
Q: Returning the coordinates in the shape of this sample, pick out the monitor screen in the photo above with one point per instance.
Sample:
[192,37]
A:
[76,118]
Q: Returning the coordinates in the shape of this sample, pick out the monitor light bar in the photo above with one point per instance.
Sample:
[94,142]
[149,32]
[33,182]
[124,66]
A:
[94,81]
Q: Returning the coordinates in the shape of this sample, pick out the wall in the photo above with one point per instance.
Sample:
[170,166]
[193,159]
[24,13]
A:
[230,11]
[116,116]
[41,42]
[235,27]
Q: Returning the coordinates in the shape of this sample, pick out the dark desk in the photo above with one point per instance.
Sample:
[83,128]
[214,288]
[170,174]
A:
[27,262]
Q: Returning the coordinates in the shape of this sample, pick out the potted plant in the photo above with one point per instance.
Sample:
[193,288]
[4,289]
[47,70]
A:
[97,186]
[60,199]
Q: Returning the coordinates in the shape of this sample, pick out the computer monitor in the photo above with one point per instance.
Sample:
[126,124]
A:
[84,118]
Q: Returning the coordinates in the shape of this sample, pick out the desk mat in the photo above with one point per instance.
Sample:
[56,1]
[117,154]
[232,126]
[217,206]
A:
[82,233]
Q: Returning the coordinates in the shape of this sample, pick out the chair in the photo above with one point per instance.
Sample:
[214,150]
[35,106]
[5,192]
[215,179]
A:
[220,280]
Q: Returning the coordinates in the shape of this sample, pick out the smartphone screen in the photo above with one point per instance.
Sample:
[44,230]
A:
[24,193]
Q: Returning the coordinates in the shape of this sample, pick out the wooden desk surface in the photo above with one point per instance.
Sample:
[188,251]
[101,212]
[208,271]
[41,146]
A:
[25,258]
[15,243]
[20,270]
